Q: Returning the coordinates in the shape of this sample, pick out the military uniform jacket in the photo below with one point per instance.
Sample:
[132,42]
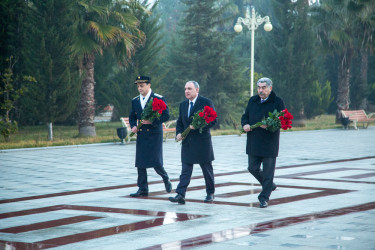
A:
[149,147]
[261,142]
[196,147]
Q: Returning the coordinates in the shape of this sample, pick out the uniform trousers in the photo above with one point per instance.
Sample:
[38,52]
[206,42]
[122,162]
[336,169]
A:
[142,177]
[185,177]
[264,176]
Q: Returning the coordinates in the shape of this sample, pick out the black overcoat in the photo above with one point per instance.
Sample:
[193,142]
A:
[261,142]
[196,147]
[149,147]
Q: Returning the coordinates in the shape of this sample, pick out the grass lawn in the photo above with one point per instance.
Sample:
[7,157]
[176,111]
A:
[36,136]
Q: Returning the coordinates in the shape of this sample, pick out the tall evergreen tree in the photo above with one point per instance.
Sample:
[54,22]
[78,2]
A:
[363,12]
[171,13]
[13,43]
[13,17]
[333,25]
[9,96]
[55,95]
[290,58]
[203,55]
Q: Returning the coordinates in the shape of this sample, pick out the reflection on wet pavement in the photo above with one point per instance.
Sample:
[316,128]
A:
[78,198]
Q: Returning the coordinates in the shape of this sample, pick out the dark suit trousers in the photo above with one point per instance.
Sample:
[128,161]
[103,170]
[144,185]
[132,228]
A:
[265,177]
[186,172]
[142,177]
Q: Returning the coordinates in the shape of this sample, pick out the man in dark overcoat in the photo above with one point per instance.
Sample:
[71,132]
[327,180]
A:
[149,146]
[196,147]
[262,145]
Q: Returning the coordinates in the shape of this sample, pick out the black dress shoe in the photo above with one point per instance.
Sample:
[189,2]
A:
[139,193]
[263,204]
[168,186]
[179,198]
[209,198]
[274,186]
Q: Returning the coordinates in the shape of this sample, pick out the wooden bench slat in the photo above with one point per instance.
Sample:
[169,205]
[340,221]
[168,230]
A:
[357,116]
[166,128]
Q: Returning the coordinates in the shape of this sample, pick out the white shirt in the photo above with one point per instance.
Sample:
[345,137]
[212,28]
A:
[143,99]
[193,101]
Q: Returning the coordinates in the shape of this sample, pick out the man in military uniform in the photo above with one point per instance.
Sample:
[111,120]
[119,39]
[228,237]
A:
[149,147]
[196,147]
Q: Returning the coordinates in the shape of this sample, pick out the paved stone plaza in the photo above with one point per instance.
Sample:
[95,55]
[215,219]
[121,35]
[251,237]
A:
[77,197]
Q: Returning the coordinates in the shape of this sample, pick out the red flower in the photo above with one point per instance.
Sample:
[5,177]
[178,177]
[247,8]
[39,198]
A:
[152,110]
[275,121]
[201,119]
[285,119]
[287,115]
[158,105]
[209,114]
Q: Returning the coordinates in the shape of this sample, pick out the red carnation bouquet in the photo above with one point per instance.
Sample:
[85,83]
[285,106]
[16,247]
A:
[275,121]
[153,110]
[200,120]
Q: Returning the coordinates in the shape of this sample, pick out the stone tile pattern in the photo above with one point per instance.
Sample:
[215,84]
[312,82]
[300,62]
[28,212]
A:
[324,197]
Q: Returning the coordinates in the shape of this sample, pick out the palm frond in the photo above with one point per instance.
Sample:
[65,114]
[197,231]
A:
[84,44]
[94,9]
[106,23]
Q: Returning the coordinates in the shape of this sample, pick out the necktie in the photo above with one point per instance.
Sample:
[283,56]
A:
[191,108]
[262,100]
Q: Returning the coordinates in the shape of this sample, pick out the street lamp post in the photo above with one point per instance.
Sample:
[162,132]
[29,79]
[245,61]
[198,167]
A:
[252,22]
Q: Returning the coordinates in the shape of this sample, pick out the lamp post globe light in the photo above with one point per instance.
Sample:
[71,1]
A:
[252,22]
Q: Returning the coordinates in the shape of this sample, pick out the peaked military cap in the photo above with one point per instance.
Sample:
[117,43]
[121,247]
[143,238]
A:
[142,79]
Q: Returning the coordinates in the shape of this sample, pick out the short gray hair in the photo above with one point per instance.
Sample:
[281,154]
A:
[266,80]
[196,84]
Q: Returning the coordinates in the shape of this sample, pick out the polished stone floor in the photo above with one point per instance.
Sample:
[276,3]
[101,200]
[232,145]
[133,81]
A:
[77,197]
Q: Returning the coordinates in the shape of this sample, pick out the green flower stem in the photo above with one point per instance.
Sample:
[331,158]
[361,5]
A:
[185,133]
[256,125]
[138,127]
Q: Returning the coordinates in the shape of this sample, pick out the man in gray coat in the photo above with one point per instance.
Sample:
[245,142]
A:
[149,147]
[196,147]
[262,145]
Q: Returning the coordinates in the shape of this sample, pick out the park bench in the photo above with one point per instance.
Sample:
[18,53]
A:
[358,116]
[167,130]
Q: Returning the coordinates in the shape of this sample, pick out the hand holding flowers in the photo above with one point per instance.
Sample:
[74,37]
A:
[275,121]
[200,120]
[153,110]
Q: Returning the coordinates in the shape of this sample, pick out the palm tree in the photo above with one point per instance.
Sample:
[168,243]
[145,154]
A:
[100,24]
[334,27]
[364,28]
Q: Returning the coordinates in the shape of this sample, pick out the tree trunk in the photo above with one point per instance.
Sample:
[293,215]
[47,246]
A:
[50,131]
[86,124]
[343,98]
[364,69]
